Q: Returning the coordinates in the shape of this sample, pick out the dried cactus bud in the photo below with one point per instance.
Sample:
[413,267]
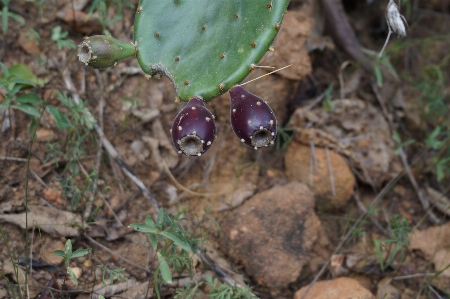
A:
[395,20]
[253,122]
[193,129]
[100,51]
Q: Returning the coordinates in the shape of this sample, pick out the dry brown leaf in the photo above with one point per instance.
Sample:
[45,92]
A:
[441,262]
[109,290]
[386,290]
[355,129]
[429,241]
[52,221]
[30,46]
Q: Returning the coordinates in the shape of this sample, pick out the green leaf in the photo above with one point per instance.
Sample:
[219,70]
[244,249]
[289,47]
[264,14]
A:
[81,252]
[29,98]
[18,18]
[143,228]
[378,76]
[28,109]
[154,241]
[68,247]
[149,221]
[59,253]
[379,252]
[24,75]
[5,19]
[61,120]
[63,98]
[5,70]
[160,217]
[177,241]
[72,276]
[164,268]
[32,128]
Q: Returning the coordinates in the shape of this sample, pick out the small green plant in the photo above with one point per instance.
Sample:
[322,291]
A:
[101,8]
[59,37]
[400,144]
[225,291]
[327,104]
[399,230]
[167,231]
[33,35]
[13,84]
[188,291]
[68,254]
[112,274]
[6,14]
[78,124]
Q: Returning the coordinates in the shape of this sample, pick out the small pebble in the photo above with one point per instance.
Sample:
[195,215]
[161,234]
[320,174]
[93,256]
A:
[87,263]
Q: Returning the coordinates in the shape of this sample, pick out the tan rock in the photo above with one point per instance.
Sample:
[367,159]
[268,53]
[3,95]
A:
[47,249]
[87,263]
[53,195]
[339,288]
[44,135]
[272,234]
[330,190]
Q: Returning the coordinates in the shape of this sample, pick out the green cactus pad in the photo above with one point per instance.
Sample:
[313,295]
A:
[205,47]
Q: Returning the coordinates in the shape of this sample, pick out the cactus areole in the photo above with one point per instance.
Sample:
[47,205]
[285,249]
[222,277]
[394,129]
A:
[205,47]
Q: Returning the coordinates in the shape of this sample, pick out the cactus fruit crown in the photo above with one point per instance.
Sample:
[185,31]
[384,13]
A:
[205,47]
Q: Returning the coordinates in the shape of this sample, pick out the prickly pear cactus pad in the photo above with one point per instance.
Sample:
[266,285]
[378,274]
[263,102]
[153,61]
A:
[205,47]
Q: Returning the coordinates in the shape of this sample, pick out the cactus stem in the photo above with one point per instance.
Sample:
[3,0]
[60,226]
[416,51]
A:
[101,51]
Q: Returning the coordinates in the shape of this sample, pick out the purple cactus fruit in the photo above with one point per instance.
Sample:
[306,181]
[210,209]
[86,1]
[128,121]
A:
[253,122]
[193,129]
